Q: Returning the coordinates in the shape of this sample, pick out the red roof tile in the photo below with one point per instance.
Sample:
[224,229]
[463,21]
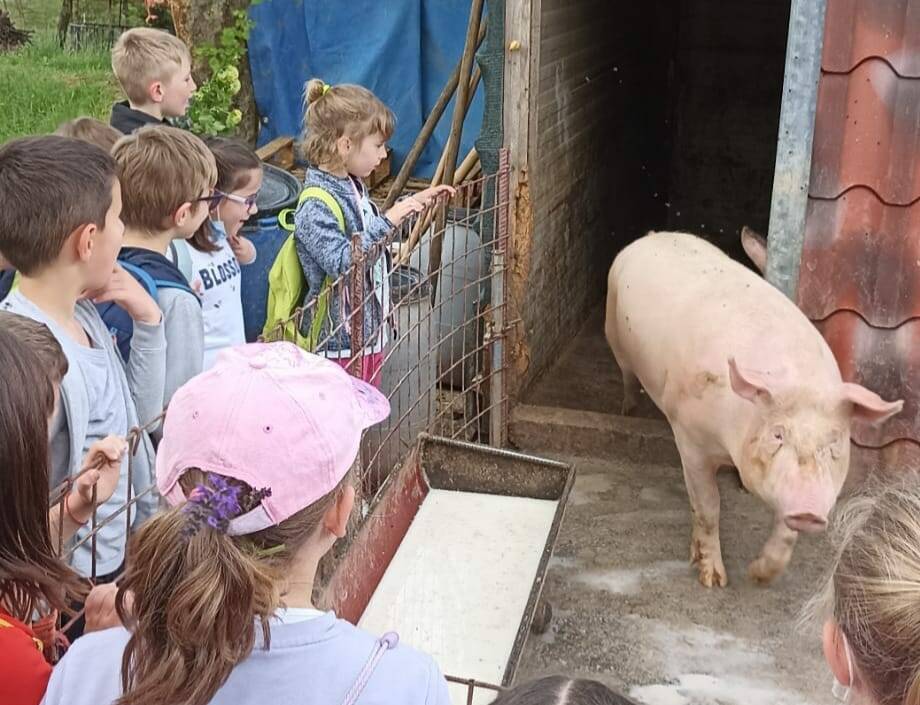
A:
[859,278]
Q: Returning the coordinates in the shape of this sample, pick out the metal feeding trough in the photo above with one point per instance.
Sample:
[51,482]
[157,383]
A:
[452,556]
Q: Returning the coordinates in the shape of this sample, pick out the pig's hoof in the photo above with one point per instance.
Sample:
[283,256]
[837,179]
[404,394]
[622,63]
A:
[712,575]
[764,571]
[628,407]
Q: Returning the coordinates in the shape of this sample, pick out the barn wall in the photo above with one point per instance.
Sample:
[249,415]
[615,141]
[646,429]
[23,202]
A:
[599,156]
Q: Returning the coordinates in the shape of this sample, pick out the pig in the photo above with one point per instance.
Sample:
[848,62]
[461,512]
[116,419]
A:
[744,379]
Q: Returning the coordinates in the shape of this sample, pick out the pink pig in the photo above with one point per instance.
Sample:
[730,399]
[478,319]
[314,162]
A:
[744,379]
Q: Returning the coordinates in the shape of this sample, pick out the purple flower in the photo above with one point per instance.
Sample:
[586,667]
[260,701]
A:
[215,503]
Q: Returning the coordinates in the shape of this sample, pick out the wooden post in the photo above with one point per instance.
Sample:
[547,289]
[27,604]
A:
[431,122]
[456,131]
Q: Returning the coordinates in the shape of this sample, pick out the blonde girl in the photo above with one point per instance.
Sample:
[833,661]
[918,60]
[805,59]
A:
[871,633]
[346,128]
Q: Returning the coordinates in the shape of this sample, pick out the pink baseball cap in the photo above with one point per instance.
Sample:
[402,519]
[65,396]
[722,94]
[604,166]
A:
[270,415]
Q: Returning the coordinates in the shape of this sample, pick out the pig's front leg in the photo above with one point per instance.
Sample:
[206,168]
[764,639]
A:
[776,553]
[705,548]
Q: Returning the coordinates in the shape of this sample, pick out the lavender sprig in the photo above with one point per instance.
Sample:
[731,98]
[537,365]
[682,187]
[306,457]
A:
[215,503]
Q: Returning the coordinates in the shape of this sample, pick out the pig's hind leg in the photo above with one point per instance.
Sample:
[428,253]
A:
[631,386]
[703,490]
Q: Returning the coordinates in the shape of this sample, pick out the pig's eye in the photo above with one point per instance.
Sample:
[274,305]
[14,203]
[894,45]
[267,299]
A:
[778,434]
[775,439]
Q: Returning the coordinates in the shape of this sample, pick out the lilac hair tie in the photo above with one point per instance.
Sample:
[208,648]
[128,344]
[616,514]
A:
[215,503]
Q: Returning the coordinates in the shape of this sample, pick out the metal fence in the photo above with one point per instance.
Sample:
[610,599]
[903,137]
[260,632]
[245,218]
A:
[424,313]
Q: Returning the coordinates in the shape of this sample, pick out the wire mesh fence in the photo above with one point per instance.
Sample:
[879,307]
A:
[421,313]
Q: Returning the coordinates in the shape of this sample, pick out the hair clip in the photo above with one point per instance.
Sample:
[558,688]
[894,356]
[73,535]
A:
[326,88]
[215,503]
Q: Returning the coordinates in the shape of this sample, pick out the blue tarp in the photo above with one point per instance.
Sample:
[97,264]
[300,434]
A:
[402,50]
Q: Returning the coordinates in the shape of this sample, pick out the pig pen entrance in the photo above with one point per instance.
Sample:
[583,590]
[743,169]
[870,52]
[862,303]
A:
[657,115]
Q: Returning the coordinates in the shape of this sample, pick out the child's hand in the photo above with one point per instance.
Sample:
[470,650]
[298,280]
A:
[100,608]
[124,290]
[434,192]
[104,460]
[243,248]
[403,209]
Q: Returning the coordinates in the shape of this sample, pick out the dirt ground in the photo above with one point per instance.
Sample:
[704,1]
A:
[627,607]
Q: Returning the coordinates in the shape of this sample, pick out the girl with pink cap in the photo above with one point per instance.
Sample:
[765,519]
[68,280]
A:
[255,461]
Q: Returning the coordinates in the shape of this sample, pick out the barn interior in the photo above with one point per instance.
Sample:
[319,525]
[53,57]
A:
[649,116]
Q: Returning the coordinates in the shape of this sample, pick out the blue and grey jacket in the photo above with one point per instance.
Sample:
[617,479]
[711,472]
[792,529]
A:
[324,251]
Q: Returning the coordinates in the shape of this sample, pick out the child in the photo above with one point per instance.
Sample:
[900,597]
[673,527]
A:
[872,600]
[217,250]
[561,690]
[90,130]
[60,227]
[346,129]
[167,178]
[34,582]
[222,583]
[154,69]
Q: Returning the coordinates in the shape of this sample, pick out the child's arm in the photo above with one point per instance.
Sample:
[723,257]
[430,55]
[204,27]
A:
[243,248]
[184,341]
[146,369]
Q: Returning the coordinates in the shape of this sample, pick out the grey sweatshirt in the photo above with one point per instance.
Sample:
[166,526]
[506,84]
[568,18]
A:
[139,389]
[184,330]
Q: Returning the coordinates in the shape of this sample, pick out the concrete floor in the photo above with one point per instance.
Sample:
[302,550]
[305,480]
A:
[627,607]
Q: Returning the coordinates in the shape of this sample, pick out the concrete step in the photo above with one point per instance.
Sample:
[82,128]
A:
[588,433]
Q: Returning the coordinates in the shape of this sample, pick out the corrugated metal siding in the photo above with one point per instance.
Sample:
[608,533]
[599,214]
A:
[860,270]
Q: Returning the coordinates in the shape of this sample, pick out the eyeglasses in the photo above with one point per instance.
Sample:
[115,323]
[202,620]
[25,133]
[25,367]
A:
[213,200]
[248,201]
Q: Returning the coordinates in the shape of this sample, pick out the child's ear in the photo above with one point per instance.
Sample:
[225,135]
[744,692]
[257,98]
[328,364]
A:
[82,239]
[182,214]
[335,520]
[343,145]
[155,92]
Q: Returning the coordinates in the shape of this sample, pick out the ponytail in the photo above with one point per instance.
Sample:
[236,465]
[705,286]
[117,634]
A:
[195,604]
[196,595]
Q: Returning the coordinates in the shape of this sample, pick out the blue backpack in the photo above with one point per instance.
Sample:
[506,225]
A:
[119,323]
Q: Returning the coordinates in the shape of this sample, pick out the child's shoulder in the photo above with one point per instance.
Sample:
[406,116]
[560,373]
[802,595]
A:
[400,659]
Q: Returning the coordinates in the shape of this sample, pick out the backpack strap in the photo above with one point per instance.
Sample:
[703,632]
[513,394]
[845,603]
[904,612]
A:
[146,281]
[180,256]
[286,217]
[381,646]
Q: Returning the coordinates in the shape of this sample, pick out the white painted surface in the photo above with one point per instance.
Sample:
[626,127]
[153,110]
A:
[459,582]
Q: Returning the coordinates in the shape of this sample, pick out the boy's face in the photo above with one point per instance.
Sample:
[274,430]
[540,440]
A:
[177,91]
[107,241]
[365,157]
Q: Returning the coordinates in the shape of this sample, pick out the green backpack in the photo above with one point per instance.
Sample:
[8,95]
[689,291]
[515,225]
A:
[286,282]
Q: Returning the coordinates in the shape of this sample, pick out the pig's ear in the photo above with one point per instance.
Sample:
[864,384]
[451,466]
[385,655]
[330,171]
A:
[869,406]
[755,245]
[749,385]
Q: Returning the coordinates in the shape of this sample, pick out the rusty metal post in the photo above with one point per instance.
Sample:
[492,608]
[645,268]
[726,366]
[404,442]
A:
[497,391]
[357,304]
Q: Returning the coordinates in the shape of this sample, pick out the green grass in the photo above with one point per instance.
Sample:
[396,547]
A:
[43,85]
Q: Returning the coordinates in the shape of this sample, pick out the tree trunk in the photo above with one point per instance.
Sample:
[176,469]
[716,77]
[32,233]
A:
[199,22]
[64,21]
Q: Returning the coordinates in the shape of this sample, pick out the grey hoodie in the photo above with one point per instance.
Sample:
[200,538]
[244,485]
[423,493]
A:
[141,389]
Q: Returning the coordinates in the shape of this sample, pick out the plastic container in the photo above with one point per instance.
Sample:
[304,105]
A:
[409,377]
[462,289]
[280,190]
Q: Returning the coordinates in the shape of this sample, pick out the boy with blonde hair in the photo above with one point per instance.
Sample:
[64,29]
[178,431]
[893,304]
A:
[167,177]
[154,69]
[60,227]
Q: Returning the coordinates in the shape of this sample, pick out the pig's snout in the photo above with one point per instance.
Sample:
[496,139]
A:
[807,522]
